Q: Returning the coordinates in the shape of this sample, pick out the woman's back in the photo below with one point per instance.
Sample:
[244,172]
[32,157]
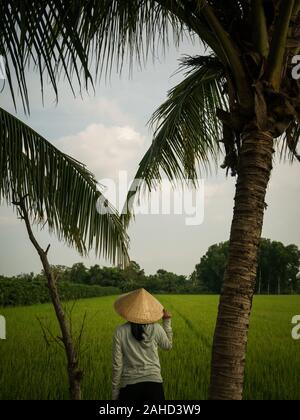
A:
[137,361]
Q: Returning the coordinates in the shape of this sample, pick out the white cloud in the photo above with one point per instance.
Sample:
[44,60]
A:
[105,149]
[103,109]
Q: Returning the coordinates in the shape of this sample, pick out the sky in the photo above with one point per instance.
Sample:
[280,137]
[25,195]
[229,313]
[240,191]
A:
[107,130]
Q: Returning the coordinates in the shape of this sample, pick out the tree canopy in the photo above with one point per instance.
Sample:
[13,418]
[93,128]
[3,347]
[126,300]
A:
[278,268]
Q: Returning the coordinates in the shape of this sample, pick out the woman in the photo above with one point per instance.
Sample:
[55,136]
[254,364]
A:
[136,373]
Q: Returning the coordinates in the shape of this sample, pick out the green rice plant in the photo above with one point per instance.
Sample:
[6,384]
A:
[33,368]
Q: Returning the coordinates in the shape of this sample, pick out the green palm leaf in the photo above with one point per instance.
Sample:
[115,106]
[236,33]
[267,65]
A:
[43,35]
[187,133]
[289,143]
[66,37]
[61,191]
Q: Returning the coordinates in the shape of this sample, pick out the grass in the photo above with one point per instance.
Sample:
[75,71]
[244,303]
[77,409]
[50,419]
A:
[32,369]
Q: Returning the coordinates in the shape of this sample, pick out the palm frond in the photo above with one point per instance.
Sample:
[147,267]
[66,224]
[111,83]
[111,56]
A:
[289,142]
[61,191]
[131,30]
[187,133]
[137,27]
[64,37]
[42,35]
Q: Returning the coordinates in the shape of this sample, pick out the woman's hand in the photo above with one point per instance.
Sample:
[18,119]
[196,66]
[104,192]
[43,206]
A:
[166,314]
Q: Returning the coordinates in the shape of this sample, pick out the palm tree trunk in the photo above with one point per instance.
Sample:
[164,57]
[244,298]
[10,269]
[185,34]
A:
[230,338]
[75,374]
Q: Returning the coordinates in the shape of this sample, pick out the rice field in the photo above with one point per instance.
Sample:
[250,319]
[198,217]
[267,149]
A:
[34,368]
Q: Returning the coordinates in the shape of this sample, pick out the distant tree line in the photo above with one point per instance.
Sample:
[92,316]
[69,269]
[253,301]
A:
[79,281]
[278,268]
[127,279]
[278,273]
[27,290]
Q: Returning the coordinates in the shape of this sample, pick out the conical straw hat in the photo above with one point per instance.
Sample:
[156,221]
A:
[139,307]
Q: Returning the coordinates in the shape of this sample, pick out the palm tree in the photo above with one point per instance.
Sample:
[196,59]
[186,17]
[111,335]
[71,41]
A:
[52,188]
[241,92]
[59,190]
[49,187]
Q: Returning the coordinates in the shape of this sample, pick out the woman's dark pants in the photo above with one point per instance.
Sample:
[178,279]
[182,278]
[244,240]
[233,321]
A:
[142,391]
